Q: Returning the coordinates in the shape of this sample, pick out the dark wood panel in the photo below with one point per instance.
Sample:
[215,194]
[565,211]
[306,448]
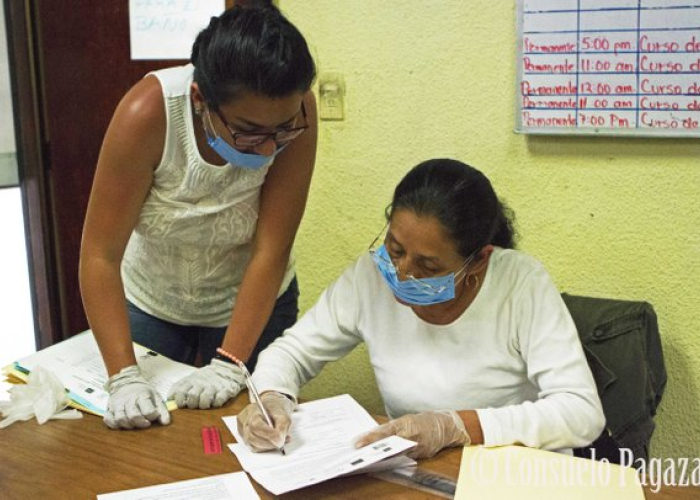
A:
[70,66]
[33,181]
[85,70]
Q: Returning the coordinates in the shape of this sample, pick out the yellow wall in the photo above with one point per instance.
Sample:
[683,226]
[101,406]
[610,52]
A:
[609,217]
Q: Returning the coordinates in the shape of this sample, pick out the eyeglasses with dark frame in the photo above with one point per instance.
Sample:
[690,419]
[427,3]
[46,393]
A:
[252,139]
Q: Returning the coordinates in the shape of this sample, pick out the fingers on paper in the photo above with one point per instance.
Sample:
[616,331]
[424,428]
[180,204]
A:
[380,432]
[258,434]
[180,391]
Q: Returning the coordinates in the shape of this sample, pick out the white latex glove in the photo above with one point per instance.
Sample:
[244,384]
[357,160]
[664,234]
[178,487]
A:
[432,430]
[43,397]
[133,403]
[209,387]
[254,429]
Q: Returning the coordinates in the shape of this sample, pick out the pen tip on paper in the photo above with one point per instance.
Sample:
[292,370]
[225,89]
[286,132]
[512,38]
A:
[283,452]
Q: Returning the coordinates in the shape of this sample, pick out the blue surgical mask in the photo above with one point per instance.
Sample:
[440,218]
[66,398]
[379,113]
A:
[414,291]
[250,161]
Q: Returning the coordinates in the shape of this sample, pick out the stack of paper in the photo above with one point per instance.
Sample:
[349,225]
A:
[321,447]
[78,365]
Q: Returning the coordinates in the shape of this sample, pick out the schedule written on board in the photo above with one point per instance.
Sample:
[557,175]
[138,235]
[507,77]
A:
[610,64]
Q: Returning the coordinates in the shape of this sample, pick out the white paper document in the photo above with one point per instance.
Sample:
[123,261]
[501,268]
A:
[78,365]
[321,447]
[166,29]
[233,486]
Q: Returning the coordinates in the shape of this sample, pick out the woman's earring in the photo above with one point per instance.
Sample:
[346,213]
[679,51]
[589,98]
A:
[476,281]
[198,110]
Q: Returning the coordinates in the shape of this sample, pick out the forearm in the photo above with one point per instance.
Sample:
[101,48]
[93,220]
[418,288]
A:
[326,332]
[105,307]
[556,422]
[282,368]
[473,425]
[254,304]
[282,203]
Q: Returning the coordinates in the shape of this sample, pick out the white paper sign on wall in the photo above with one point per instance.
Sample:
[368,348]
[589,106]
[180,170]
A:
[166,29]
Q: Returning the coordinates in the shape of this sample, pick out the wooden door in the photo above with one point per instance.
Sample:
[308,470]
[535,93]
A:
[73,61]
[85,70]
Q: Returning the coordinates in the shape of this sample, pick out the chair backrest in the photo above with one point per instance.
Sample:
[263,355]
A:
[623,348]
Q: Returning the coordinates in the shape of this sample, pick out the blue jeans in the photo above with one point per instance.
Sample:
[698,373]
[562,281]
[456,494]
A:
[183,342]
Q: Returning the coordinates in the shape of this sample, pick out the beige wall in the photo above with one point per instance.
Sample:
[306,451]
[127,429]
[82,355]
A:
[609,217]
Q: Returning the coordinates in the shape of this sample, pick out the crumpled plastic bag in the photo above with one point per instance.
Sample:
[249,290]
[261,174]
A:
[42,396]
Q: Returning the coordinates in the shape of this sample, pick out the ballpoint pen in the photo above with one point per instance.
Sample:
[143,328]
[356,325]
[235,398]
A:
[251,388]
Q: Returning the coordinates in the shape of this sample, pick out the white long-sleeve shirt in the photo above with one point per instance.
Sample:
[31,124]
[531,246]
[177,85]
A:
[514,354]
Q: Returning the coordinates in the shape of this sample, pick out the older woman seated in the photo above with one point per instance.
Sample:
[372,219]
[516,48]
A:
[469,339]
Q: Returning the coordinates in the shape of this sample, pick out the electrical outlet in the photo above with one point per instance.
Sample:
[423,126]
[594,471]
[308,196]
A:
[331,89]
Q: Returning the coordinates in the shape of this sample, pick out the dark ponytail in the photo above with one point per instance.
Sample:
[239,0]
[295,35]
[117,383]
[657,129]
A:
[254,49]
[505,234]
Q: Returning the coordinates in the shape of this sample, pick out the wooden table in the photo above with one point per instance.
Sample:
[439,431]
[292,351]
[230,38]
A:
[79,459]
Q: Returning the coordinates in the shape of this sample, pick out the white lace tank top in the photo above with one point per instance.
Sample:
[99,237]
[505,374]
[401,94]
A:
[186,257]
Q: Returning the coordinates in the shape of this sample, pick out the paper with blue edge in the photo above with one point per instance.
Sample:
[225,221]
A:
[78,364]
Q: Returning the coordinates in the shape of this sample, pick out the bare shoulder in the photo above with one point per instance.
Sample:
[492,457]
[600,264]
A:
[139,122]
[143,104]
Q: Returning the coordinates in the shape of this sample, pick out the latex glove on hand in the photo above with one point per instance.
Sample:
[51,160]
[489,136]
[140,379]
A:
[133,403]
[432,430]
[254,429]
[209,387]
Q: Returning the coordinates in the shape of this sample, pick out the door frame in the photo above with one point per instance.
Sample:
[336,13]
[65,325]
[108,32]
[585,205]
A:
[50,302]
[33,165]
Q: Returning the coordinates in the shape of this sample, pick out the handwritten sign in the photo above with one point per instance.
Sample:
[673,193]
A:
[609,67]
[166,29]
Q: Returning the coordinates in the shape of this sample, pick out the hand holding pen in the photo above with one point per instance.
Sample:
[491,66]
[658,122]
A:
[263,424]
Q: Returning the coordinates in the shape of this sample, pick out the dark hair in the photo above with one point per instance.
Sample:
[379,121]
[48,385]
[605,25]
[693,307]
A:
[251,49]
[462,199]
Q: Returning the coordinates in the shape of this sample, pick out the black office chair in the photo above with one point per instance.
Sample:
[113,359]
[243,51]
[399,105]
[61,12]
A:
[623,348]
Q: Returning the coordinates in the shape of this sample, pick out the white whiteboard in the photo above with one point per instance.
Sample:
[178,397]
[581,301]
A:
[609,67]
